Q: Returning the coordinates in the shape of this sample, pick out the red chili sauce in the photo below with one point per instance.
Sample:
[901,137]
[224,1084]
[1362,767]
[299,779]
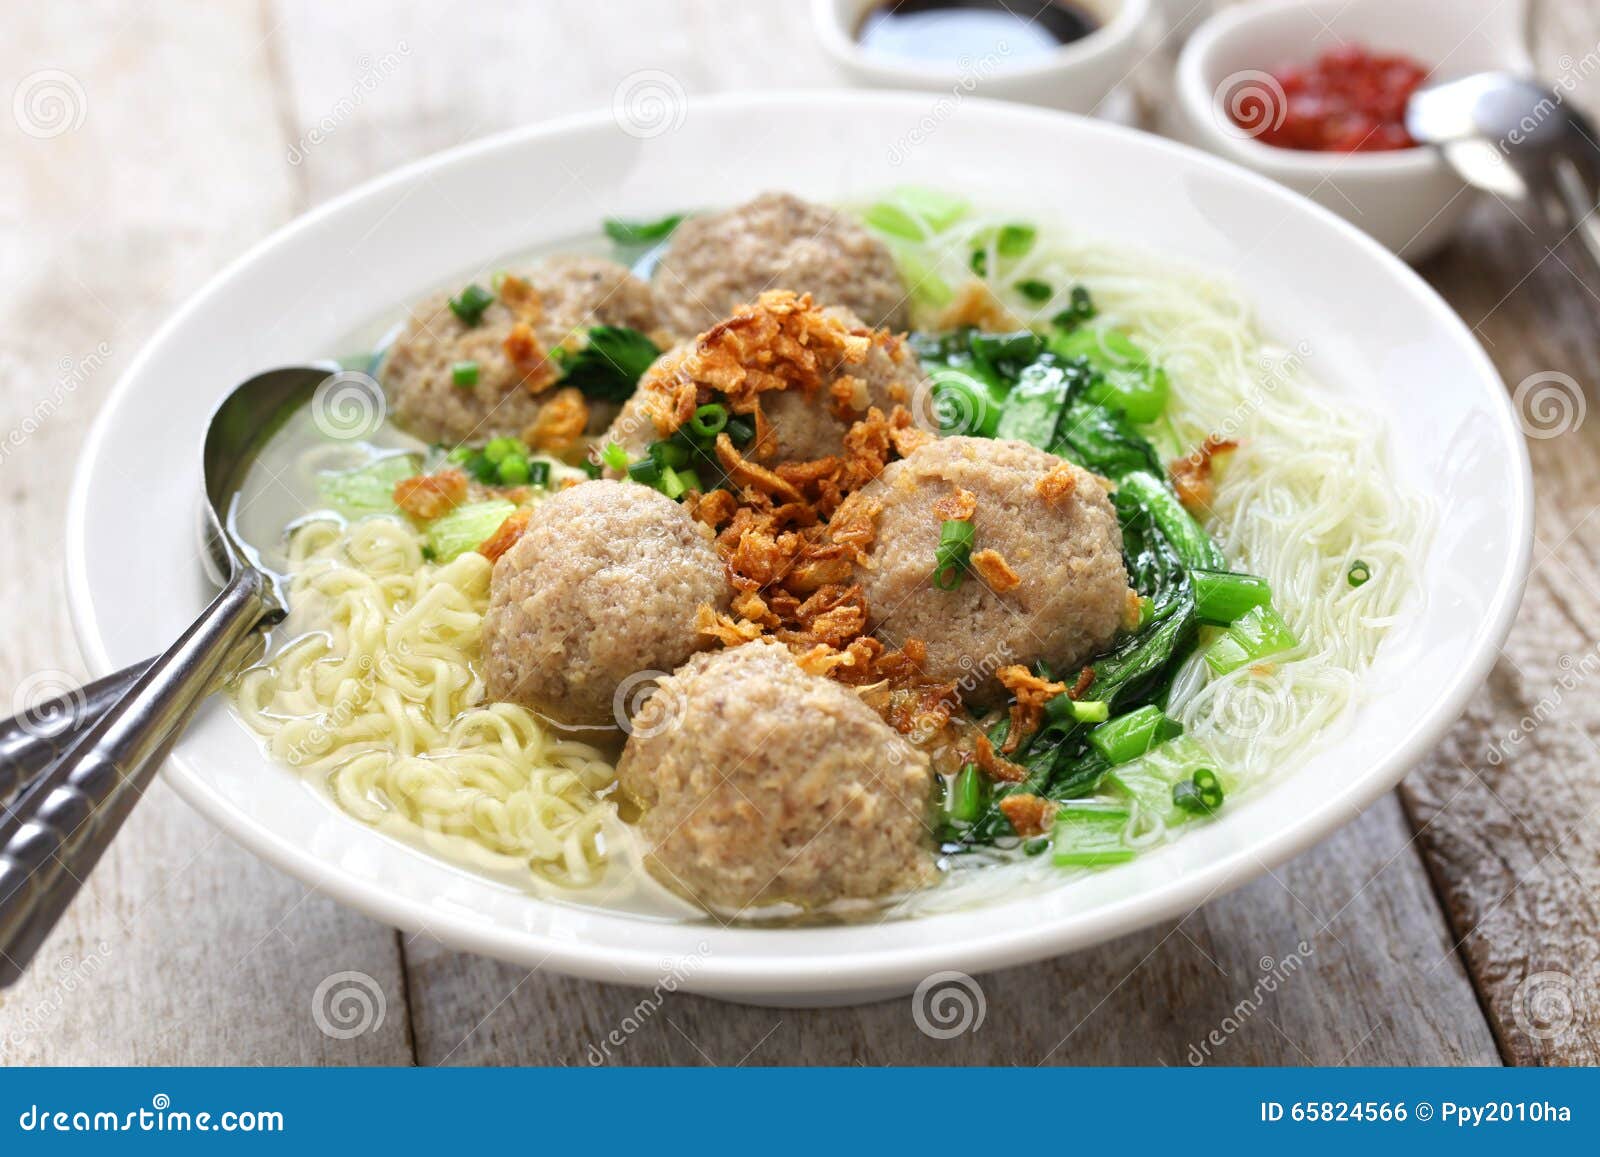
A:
[1348,100]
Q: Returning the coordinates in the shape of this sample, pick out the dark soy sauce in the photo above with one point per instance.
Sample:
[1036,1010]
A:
[956,31]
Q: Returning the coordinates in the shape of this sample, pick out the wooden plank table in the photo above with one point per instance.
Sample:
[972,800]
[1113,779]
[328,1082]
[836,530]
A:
[1454,923]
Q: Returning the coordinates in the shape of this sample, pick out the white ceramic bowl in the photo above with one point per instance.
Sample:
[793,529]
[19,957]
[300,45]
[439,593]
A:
[1075,77]
[1409,199]
[1376,334]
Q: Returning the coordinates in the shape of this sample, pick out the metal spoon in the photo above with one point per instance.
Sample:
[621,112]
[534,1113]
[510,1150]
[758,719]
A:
[1521,141]
[64,821]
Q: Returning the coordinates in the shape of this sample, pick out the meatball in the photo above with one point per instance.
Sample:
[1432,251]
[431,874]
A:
[604,583]
[573,292]
[1058,593]
[803,427]
[764,784]
[724,260]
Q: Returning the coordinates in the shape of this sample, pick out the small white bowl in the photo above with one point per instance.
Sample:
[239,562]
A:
[1408,199]
[1076,77]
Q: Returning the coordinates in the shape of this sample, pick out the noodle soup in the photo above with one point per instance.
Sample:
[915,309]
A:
[1259,552]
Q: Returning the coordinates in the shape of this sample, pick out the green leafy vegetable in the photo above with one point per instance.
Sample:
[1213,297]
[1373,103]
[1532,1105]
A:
[905,214]
[609,366]
[1222,597]
[1015,240]
[1079,311]
[1130,736]
[465,528]
[367,489]
[1129,379]
[1091,835]
[1257,635]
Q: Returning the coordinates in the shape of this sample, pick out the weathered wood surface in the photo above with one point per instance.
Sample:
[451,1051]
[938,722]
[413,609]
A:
[198,137]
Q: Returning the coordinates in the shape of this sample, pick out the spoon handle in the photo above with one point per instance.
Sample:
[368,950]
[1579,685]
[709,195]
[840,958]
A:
[52,839]
[35,737]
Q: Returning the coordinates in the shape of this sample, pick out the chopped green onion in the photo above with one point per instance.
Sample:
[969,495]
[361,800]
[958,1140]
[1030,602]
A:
[708,420]
[966,795]
[1080,311]
[1130,736]
[497,448]
[1035,290]
[1015,240]
[640,232]
[979,262]
[691,481]
[1089,710]
[461,454]
[1090,835]
[676,483]
[1201,794]
[464,374]
[1036,845]
[538,473]
[470,303]
[513,470]
[614,456]
[1257,634]
[1223,597]
[1359,573]
[646,470]
[669,452]
[465,528]
[1064,709]
[740,432]
[955,547]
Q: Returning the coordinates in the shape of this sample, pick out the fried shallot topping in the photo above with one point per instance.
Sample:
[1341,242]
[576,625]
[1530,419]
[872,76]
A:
[1031,693]
[957,507]
[1058,485]
[1192,474]
[560,422]
[1081,687]
[976,305]
[1029,815]
[525,353]
[505,536]
[429,496]
[521,298]
[995,571]
[992,764]
[783,341]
